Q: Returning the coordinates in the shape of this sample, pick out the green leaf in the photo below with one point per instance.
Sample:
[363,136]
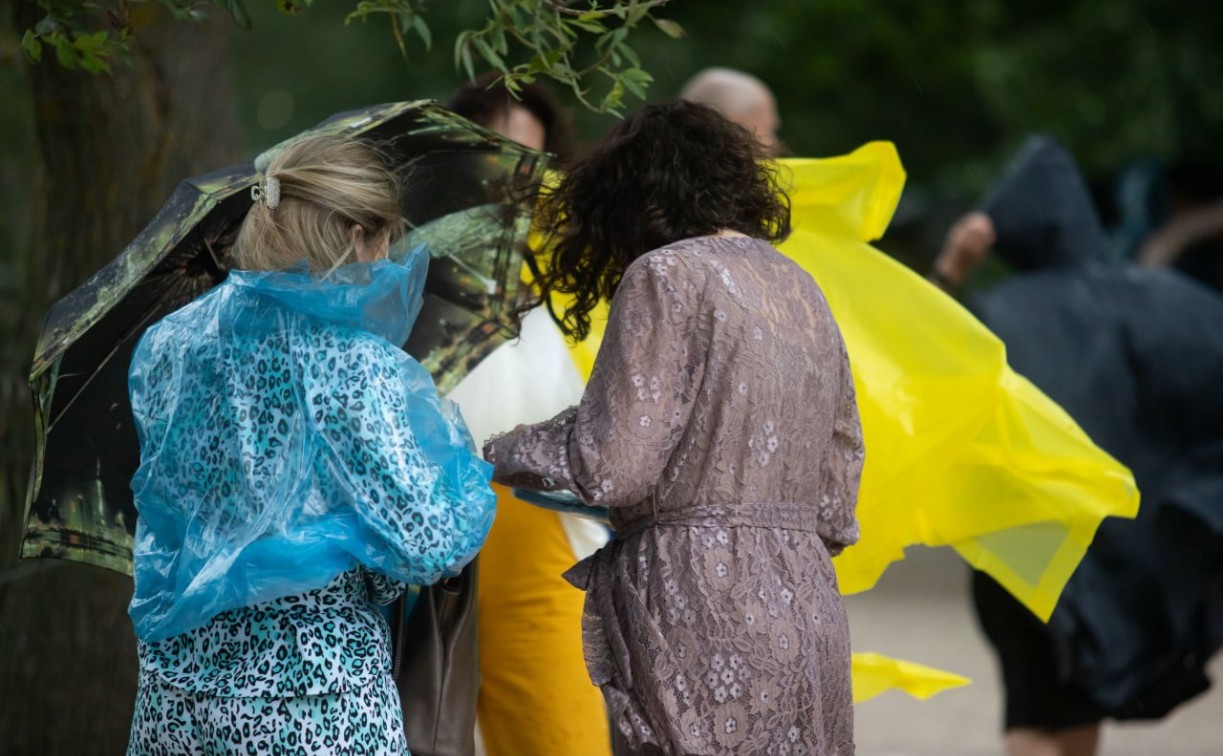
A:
[94,64]
[422,30]
[237,9]
[635,88]
[468,66]
[614,97]
[564,30]
[602,43]
[32,46]
[594,27]
[460,43]
[593,15]
[516,17]
[631,55]
[46,26]
[64,51]
[489,53]
[638,75]
[92,42]
[669,27]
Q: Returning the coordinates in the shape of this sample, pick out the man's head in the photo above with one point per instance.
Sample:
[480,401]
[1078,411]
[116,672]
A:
[740,97]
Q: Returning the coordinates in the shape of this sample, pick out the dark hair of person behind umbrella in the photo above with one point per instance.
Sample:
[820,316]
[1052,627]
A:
[671,171]
[485,100]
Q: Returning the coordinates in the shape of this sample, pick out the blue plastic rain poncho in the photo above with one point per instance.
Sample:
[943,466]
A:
[286,438]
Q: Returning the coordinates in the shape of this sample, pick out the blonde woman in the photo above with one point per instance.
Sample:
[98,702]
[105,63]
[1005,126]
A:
[297,468]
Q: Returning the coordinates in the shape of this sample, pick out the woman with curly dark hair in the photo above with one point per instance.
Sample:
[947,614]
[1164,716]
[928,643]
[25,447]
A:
[720,429]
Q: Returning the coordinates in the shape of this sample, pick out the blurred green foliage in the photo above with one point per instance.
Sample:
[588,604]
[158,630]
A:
[582,44]
[956,84]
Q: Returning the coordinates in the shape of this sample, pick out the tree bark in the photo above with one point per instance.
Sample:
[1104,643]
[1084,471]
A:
[112,149]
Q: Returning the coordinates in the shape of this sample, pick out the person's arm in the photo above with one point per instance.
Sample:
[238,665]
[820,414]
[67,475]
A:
[613,447]
[1165,246]
[966,247]
[419,491]
[841,471]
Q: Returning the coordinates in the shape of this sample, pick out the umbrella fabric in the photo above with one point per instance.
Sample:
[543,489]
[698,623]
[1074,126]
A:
[468,193]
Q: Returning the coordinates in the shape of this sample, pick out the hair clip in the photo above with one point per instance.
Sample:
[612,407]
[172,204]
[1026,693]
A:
[268,191]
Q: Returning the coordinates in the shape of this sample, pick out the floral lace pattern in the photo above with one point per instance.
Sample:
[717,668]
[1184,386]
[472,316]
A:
[721,428]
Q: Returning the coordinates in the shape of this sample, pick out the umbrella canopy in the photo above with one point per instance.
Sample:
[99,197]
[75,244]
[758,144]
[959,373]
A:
[468,193]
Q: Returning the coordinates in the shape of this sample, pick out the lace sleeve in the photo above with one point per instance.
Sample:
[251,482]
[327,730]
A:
[613,447]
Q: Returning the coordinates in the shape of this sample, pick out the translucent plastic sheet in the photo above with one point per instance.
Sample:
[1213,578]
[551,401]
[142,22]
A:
[285,438]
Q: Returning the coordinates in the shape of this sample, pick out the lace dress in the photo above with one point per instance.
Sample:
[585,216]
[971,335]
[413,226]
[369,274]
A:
[721,429]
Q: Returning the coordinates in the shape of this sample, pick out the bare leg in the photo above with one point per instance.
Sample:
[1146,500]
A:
[1028,741]
[1078,741]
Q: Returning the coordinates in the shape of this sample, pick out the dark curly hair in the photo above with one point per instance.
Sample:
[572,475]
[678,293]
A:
[486,100]
[670,171]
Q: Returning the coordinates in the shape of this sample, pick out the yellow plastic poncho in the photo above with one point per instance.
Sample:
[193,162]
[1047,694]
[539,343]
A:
[961,450]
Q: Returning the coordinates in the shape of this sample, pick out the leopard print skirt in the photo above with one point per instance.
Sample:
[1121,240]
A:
[170,721]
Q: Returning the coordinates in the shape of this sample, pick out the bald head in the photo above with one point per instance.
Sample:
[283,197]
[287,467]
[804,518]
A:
[740,97]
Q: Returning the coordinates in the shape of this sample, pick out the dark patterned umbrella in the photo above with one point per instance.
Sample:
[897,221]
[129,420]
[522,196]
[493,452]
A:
[468,193]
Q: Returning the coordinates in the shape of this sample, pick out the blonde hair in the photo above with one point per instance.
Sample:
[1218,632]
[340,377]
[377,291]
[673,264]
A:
[327,185]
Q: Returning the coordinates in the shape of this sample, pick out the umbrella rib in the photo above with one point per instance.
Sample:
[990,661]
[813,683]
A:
[105,361]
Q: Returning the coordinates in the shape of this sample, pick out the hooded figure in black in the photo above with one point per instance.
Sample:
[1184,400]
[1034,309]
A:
[1135,356]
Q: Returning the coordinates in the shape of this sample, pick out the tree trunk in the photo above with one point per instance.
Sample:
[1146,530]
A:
[112,149]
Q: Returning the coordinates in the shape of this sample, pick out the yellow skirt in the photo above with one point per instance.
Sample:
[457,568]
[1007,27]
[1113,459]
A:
[536,698]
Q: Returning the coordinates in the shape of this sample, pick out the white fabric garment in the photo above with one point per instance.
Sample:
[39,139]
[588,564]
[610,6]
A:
[527,381]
